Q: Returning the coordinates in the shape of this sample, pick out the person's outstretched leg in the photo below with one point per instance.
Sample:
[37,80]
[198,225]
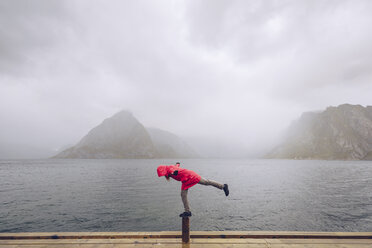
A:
[204,181]
[224,187]
[185,203]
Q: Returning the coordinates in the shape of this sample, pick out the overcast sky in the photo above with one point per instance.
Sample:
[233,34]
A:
[234,71]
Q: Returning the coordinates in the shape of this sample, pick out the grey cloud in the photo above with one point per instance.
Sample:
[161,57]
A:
[26,28]
[222,70]
[307,49]
[252,29]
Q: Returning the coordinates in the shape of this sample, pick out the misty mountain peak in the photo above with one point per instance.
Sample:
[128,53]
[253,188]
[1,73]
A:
[123,136]
[342,132]
[120,136]
[123,115]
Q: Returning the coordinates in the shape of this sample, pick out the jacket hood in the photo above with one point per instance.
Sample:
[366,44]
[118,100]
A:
[162,170]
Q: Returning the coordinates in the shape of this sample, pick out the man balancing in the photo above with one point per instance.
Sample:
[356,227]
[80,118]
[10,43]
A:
[188,178]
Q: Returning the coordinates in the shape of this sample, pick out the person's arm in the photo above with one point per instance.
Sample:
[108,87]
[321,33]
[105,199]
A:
[175,173]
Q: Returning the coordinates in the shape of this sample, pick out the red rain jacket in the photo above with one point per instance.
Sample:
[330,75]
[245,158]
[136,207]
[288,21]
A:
[187,177]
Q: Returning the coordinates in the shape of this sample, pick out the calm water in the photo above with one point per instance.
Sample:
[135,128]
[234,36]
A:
[127,195]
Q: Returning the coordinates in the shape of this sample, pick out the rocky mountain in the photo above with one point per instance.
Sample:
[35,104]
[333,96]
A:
[339,133]
[123,136]
[169,145]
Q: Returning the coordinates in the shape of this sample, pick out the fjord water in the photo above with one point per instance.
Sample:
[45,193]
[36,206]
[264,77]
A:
[127,195]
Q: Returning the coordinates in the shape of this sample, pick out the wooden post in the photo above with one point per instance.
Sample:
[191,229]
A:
[185,230]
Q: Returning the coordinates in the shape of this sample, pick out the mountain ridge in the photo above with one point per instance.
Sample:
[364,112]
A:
[122,136]
[343,132]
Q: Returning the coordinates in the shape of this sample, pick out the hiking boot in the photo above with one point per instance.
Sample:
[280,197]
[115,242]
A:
[185,214]
[226,189]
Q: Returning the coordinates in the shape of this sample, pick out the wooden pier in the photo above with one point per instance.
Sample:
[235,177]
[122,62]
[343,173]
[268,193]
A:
[198,239]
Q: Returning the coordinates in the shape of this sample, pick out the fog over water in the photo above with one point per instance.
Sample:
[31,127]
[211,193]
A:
[229,73]
[126,195]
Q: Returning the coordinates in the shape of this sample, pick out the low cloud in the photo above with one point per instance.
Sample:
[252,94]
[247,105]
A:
[234,71]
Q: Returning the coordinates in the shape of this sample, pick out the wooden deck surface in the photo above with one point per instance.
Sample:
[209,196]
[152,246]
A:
[198,239]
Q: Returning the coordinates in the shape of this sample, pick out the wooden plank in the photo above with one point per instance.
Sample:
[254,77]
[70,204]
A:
[195,243]
[189,246]
[319,241]
[193,234]
[283,235]
[219,239]
[129,241]
[320,246]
